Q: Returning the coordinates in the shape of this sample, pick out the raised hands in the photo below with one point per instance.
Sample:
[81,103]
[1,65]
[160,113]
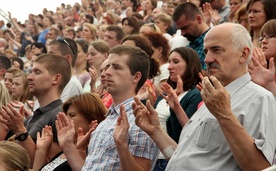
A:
[83,139]
[65,130]
[171,94]
[263,76]
[259,55]
[120,132]
[94,75]
[44,141]
[215,97]
[13,119]
[146,117]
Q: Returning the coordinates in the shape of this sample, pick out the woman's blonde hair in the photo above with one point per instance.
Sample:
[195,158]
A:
[13,156]
[4,95]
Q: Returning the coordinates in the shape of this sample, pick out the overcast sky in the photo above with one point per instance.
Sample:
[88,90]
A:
[20,9]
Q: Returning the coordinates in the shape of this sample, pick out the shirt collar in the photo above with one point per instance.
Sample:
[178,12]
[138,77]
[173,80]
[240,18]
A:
[116,109]
[237,84]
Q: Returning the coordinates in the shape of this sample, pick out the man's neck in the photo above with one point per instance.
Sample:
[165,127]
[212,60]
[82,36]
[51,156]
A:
[47,99]
[120,99]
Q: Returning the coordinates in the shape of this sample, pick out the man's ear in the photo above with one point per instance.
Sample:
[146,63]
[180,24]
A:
[245,55]
[137,76]
[105,56]
[199,19]
[56,79]
[69,58]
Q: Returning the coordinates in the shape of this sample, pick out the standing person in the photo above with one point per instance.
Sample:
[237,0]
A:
[67,48]
[127,71]
[189,20]
[184,66]
[47,23]
[226,128]
[223,9]
[48,78]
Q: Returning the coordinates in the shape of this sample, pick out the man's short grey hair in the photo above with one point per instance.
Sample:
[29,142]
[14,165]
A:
[241,39]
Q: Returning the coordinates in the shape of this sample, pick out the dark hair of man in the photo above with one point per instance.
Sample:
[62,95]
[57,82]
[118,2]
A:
[56,64]
[120,34]
[39,45]
[5,62]
[193,67]
[138,61]
[90,19]
[188,9]
[65,49]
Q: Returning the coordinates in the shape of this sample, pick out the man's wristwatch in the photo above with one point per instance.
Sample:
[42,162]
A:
[22,136]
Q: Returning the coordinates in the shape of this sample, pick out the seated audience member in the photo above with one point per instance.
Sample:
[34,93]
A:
[209,139]
[46,82]
[13,157]
[83,111]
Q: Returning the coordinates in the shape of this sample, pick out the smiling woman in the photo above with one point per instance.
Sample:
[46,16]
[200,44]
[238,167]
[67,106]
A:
[29,5]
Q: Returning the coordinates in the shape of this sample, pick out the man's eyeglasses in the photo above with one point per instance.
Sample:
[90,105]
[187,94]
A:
[61,39]
[267,37]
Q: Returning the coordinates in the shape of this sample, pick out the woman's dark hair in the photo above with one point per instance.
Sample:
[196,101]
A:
[269,8]
[40,46]
[158,40]
[143,43]
[132,22]
[193,68]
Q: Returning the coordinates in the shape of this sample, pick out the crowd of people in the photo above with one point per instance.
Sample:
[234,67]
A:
[140,85]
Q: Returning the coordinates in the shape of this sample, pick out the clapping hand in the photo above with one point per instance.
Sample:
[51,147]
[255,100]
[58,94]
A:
[146,117]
